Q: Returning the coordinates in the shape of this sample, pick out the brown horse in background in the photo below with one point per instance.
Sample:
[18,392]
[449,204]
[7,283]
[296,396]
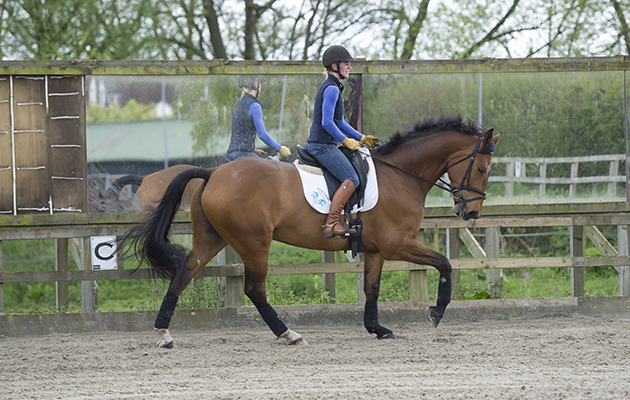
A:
[151,188]
[249,202]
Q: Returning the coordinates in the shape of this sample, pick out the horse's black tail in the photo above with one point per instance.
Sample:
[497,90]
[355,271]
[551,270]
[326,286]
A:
[151,242]
[112,194]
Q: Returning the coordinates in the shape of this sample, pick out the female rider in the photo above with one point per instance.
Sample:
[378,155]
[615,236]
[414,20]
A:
[247,122]
[328,128]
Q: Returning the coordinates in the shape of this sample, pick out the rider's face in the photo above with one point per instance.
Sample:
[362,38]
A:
[344,69]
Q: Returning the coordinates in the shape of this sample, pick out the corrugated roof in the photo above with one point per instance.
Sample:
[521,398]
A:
[139,140]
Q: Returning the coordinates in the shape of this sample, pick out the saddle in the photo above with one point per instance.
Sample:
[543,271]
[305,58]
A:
[361,166]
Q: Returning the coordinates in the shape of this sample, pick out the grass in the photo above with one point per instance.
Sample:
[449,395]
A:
[126,295]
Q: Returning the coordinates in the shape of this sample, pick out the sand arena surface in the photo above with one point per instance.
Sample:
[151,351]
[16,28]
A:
[555,358]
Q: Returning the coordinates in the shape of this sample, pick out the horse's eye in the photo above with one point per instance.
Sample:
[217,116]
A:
[480,170]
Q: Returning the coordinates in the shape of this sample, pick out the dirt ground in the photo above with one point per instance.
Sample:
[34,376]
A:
[560,358]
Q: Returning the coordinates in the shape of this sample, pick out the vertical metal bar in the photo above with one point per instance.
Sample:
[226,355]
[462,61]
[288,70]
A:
[164,123]
[627,135]
[480,100]
[284,91]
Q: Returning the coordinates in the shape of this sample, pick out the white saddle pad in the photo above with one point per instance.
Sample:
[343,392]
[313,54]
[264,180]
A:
[316,191]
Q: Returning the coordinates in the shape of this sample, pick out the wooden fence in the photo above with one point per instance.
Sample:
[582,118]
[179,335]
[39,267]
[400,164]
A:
[72,233]
[516,172]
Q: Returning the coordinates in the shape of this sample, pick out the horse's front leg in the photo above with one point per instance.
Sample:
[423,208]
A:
[373,267]
[255,289]
[417,253]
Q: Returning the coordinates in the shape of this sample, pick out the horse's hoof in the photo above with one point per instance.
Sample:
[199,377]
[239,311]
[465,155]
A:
[387,336]
[166,345]
[299,342]
[434,316]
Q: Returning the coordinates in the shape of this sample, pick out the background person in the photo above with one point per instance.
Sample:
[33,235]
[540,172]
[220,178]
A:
[328,128]
[247,121]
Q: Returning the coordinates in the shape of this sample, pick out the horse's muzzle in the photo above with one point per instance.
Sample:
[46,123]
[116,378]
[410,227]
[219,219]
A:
[459,209]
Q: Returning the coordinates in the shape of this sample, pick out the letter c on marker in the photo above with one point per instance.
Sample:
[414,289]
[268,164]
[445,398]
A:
[98,248]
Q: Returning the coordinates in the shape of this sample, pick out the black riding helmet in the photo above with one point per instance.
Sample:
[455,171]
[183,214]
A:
[334,55]
[250,82]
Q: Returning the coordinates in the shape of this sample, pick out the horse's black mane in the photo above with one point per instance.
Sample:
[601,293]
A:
[425,128]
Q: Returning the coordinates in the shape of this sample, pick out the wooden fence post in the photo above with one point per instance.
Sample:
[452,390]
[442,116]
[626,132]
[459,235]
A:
[61,264]
[1,284]
[623,245]
[232,286]
[328,280]
[418,280]
[575,167]
[494,278]
[83,259]
[509,183]
[613,170]
[577,250]
[452,253]
[360,280]
[542,188]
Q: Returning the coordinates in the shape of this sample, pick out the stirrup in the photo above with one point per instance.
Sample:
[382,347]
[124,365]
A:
[345,234]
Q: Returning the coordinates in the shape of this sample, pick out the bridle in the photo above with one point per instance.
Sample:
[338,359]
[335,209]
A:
[465,184]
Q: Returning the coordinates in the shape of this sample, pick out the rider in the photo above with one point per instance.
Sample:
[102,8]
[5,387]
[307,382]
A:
[328,128]
[247,121]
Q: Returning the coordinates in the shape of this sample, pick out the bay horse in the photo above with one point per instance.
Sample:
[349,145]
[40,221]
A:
[151,188]
[251,201]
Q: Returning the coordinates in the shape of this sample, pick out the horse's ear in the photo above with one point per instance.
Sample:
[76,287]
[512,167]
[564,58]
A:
[488,136]
[496,138]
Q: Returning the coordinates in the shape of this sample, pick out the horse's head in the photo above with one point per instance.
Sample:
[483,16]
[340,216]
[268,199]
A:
[470,179]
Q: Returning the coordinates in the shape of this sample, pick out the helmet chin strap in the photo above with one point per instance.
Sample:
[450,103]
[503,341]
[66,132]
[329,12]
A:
[338,71]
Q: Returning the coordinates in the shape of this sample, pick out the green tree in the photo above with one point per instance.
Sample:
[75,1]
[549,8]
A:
[73,29]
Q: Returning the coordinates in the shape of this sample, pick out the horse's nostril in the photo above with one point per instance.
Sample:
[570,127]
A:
[471,215]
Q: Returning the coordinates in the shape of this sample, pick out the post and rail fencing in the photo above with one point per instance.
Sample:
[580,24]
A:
[516,172]
[72,226]
[582,219]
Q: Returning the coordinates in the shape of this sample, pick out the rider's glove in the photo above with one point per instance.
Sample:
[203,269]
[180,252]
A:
[351,144]
[260,152]
[369,141]
[284,151]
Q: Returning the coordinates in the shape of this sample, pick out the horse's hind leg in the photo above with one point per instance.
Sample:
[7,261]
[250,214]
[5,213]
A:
[373,267]
[206,244]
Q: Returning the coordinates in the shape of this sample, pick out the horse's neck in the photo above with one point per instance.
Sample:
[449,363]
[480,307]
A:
[426,157]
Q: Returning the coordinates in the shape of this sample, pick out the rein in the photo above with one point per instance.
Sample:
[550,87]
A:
[464,185]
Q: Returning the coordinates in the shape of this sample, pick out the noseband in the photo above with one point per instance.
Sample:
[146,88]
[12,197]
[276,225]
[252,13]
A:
[465,185]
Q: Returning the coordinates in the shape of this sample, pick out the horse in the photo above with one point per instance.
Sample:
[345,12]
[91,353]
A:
[251,201]
[151,188]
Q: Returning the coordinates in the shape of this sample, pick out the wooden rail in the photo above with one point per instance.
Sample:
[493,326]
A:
[516,172]
[582,218]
